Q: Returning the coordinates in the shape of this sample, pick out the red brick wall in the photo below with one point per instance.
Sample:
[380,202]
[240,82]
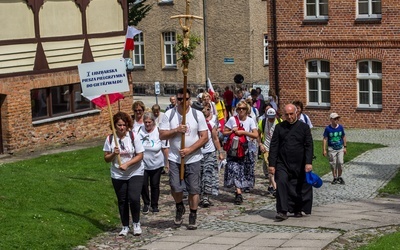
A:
[342,41]
[19,134]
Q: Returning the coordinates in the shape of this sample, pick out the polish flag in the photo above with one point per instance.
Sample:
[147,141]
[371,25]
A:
[210,89]
[130,33]
[101,100]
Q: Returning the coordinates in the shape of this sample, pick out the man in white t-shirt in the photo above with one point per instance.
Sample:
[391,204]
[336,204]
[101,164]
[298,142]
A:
[195,131]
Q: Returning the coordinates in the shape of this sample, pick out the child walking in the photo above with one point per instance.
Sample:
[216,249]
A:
[335,136]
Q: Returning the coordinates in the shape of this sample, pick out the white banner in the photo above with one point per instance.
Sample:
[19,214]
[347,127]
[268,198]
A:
[104,77]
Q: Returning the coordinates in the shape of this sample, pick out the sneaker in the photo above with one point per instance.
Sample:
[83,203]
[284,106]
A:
[145,209]
[192,221]
[274,193]
[270,190]
[205,202]
[340,180]
[180,211]
[136,229]
[335,181]
[155,209]
[124,231]
[247,190]
[281,216]
[238,199]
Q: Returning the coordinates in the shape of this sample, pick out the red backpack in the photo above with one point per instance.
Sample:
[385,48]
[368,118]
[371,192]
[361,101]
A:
[236,146]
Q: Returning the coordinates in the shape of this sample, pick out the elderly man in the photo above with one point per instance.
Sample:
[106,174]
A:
[290,157]
[195,133]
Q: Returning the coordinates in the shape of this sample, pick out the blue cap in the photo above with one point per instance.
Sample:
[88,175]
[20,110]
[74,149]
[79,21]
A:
[313,179]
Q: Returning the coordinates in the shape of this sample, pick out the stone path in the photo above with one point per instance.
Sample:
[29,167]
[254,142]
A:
[339,211]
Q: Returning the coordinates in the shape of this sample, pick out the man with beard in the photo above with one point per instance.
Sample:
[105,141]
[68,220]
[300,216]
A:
[290,157]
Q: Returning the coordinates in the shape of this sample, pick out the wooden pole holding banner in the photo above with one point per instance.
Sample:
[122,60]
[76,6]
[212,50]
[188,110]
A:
[186,39]
[113,127]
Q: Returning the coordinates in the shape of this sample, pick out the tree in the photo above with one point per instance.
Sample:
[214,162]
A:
[137,11]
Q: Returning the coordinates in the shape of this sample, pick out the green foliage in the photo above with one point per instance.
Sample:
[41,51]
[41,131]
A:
[137,11]
[187,53]
[393,187]
[56,201]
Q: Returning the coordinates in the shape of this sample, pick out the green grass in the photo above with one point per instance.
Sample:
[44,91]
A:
[321,164]
[390,241]
[56,201]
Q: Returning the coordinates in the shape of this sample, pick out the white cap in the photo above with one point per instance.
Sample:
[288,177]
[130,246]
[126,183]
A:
[334,115]
[271,113]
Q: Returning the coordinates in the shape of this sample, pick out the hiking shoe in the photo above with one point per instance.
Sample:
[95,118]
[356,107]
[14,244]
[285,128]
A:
[238,199]
[340,180]
[335,181]
[281,216]
[124,231]
[155,209]
[180,211]
[145,209]
[136,229]
[192,221]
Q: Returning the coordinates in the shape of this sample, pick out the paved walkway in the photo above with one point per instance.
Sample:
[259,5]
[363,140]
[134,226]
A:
[338,210]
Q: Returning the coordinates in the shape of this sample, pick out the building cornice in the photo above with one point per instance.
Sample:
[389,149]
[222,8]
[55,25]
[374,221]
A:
[389,43]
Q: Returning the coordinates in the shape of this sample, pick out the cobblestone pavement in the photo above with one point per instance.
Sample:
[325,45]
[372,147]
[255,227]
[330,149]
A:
[364,176]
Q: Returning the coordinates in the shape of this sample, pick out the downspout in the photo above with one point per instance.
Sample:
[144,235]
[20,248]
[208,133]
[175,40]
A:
[205,40]
[275,44]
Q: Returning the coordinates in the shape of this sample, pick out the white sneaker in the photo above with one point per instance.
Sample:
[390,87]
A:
[136,229]
[124,231]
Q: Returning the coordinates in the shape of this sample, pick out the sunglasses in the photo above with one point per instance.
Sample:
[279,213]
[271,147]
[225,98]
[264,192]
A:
[181,99]
[138,110]
[241,109]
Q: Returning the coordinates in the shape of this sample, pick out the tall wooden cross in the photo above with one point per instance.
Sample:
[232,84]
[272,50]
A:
[186,26]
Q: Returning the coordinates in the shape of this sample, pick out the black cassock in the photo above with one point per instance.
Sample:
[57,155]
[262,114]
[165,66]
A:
[289,153]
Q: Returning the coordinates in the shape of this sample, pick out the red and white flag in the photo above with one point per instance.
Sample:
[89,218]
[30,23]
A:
[210,89]
[101,100]
[130,33]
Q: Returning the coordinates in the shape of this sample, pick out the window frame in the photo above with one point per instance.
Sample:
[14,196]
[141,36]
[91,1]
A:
[139,51]
[317,15]
[73,99]
[318,75]
[172,51]
[370,15]
[266,53]
[370,76]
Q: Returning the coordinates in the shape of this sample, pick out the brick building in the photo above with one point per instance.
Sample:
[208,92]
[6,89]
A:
[236,41]
[40,91]
[338,56]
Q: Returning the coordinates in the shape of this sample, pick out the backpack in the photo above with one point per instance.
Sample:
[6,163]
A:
[111,136]
[236,146]
[174,111]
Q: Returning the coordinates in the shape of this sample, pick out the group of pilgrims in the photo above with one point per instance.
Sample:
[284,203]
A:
[142,151]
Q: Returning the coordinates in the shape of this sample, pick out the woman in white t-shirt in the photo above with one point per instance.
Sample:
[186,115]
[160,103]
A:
[125,153]
[154,160]
[239,172]
[209,164]
[138,109]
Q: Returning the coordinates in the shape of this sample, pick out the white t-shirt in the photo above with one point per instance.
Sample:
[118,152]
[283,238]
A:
[247,124]
[191,136]
[137,126]
[127,152]
[209,147]
[153,156]
[306,119]
[159,119]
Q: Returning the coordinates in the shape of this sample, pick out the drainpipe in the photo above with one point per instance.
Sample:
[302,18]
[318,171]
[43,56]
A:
[205,40]
[275,44]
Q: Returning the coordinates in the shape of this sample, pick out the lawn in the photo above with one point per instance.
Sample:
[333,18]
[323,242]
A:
[61,201]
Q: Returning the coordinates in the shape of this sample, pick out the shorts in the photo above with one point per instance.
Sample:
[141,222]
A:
[191,177]
[336,158]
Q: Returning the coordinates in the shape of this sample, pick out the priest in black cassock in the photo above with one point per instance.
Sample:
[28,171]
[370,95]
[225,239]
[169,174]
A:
[290,157]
